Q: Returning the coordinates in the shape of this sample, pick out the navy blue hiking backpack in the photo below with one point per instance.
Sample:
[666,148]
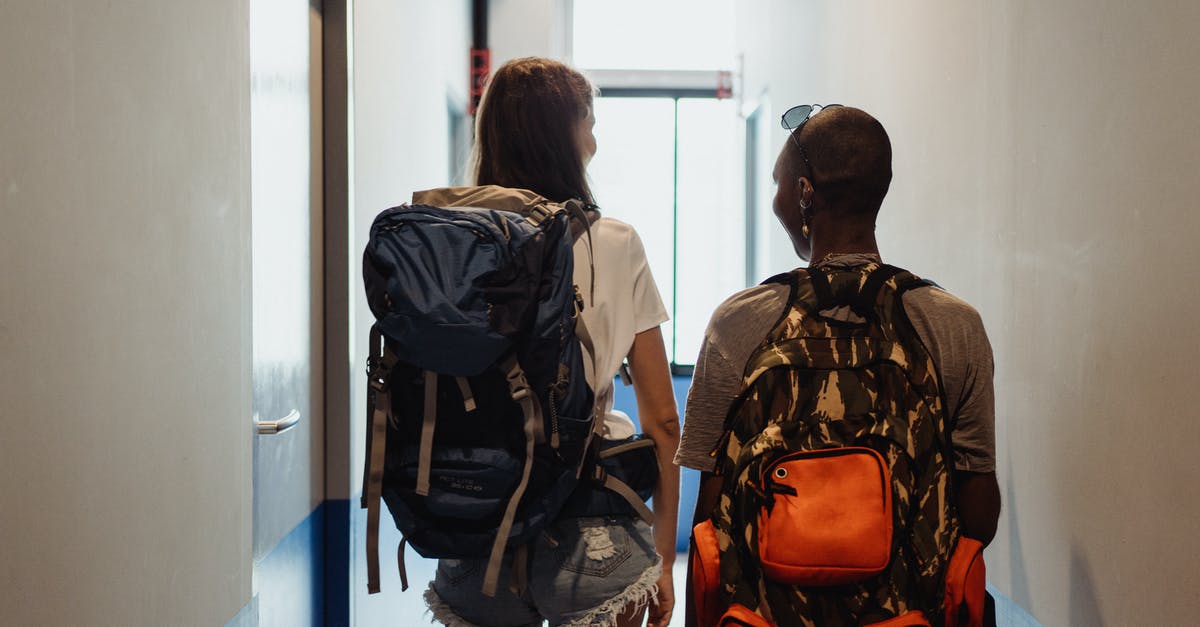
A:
[479,414]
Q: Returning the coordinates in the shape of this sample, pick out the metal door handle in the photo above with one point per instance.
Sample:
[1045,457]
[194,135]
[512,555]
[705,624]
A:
[271,427]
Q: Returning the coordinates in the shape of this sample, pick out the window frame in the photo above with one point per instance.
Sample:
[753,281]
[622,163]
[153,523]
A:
[677,85]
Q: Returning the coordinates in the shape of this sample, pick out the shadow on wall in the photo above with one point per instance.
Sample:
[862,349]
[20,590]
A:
[1019,584]
[1084,604]
[1011,612]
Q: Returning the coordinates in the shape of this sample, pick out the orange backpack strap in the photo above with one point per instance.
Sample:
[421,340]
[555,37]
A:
[915,618]
[966,584]
[739,615]
[706,575]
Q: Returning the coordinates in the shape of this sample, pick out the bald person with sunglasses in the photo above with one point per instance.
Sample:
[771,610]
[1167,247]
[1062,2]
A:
[831,177]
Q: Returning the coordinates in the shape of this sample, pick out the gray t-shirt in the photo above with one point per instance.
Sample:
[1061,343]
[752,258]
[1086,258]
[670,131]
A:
[951,329]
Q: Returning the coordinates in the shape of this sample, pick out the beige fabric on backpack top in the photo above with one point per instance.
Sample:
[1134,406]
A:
[490,196]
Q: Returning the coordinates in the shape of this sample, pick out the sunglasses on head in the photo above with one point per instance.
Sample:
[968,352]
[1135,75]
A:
[795,118]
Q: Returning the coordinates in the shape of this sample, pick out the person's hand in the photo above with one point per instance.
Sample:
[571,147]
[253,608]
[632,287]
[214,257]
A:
[663,604]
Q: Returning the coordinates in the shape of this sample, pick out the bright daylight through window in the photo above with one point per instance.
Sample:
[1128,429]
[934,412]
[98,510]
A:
[671,153]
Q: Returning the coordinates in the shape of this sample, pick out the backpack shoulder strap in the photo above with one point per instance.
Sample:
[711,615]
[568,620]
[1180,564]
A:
[864,305]
[783,278]
[912,282]
[906,282]
[822,289]
[792,280]
[582,216]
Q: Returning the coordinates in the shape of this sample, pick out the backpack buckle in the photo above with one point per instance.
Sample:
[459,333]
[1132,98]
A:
[518,385]
[375,376]
[578,299]
[538,213]
[520,393]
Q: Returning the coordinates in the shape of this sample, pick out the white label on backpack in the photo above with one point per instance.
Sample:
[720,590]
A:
[460,484]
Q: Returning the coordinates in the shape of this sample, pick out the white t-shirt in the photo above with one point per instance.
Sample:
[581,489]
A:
[625,302]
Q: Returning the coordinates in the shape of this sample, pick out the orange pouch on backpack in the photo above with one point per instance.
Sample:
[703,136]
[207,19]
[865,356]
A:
[966,584]
[706,576]
[830,519]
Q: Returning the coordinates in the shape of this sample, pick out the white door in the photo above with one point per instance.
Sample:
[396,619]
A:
[286,218]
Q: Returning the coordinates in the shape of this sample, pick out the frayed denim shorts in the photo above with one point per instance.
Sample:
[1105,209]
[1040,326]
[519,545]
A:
[582,571]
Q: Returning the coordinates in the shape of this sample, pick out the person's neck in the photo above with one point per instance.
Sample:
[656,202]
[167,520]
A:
[824,247]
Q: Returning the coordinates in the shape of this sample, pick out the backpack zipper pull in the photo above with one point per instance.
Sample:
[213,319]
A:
[554,440]
[578,300]
[558,389]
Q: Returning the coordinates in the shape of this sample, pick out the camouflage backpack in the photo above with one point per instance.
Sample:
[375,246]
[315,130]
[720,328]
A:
[842,370]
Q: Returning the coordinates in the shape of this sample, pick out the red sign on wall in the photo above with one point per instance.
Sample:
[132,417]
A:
[481,65]
[724,84]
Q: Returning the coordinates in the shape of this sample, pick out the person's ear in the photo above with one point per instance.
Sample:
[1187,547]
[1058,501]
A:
[806,192]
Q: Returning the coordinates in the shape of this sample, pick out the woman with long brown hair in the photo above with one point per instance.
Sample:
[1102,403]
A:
[534,131]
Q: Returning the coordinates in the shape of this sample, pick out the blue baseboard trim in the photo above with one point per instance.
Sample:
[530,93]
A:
[305,579]
[247,617]
[1008,613]
[336,548]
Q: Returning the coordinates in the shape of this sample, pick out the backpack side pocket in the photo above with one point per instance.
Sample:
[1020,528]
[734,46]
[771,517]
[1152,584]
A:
[966,584]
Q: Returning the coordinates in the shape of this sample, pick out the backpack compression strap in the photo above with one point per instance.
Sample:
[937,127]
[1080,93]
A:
[464,387]
[518,387]
[622,488]
[428,423]
[379,362]
[598,474]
